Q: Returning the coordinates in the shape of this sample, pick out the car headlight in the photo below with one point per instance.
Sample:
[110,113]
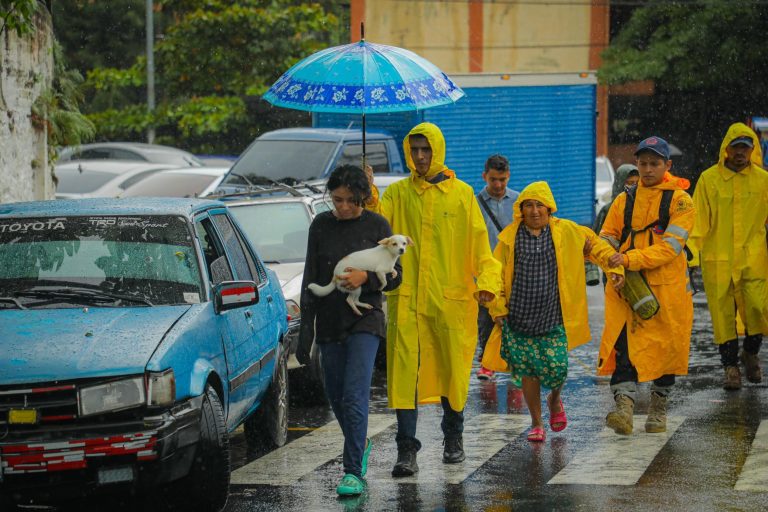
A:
[112,396]
[161,388]
[294,311]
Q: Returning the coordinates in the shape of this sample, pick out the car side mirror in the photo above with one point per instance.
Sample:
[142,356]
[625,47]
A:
[234,294]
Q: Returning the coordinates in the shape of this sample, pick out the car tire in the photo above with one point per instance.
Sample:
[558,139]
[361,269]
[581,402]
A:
[207,485]
[268,426]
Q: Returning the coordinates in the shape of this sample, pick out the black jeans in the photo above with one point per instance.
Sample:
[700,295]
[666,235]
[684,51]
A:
[452,425]
[484,328]
[624,378]
[729,351]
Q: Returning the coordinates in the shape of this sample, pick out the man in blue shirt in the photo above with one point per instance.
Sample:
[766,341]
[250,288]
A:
[496,202]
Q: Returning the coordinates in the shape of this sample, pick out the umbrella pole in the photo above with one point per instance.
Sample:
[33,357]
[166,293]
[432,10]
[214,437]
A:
[363,141]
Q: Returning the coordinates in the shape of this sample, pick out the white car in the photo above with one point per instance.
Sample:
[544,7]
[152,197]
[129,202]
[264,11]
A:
[101,178]
[604,176]
[187,182]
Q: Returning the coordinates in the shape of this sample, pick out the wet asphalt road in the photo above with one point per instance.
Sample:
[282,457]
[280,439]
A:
[697,467]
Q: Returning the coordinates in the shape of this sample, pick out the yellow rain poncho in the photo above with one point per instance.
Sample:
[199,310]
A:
[660,345]
[568,239]
[731,213]
[432,316]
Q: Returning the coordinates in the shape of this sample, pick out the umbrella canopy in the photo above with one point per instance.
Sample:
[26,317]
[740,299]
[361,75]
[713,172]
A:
[363,78]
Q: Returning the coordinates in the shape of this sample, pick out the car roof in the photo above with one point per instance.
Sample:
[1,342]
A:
[323,134]
[112,166]
[143,148]
[108,206]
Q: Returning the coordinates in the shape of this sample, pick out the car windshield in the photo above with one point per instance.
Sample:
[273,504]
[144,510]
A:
[100,260]
[75,181]
[300,160]
[277,230]
[170,185]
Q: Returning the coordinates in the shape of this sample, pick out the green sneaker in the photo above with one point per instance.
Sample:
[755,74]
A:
[366,453]
[350,485]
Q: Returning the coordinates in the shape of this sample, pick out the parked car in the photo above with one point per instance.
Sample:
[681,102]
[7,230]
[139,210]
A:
[134,151]
[101,178]
[604,176]
[136,334]
[282,244]
[295,155]
[197,182]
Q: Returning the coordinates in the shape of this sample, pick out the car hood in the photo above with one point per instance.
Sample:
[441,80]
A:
[287,271]
[59,344]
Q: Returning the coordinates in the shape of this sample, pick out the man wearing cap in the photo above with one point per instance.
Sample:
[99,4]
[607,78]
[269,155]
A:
[731,201]
[632,349]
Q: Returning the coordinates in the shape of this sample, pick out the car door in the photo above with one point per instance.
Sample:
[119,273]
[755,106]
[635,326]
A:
[255,344]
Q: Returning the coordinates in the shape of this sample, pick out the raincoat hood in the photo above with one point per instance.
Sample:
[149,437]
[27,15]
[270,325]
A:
[669,182]
[539,191]
[735,131]
[622,173]
[436,142]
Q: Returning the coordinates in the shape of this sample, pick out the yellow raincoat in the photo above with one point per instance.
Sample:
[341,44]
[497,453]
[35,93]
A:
[731,213]
[568,239]
[660,345]
[373,204]
[432,316]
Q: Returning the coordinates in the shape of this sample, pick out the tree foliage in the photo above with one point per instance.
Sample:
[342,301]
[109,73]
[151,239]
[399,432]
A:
[213,62]
[17,15]
[707,61]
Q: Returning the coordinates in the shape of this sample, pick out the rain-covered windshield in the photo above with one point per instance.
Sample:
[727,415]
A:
[281,159]
[277,230]
[99,260]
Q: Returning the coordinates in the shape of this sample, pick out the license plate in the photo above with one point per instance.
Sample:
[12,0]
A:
[22,416]
[115,475]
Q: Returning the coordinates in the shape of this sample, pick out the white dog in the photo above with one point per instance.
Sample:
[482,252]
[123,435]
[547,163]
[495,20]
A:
[380,259]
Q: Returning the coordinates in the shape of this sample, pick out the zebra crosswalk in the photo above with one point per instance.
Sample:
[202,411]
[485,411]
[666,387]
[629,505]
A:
[607,459]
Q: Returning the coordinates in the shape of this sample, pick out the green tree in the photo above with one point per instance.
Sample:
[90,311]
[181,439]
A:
[707,61]
[212,65]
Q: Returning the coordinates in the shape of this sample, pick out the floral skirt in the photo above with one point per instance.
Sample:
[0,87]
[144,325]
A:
[544,356]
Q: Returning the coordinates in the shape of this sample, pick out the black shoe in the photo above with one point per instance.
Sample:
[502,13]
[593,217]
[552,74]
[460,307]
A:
[406,463]
[453,451]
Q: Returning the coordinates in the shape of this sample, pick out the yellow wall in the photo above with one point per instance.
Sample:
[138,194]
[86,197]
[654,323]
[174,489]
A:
[522,37]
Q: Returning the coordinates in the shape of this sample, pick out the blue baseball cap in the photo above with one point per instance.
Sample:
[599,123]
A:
[743,140]
[655,144]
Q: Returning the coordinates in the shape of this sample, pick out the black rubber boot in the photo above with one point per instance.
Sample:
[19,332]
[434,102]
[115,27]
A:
[406,461]
[453,450]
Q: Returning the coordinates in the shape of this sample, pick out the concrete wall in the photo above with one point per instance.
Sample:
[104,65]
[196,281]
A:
[477,36]
[26,70]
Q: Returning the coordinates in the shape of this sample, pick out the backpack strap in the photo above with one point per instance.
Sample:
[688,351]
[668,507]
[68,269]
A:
[629,206]
[662,221]
[487,209]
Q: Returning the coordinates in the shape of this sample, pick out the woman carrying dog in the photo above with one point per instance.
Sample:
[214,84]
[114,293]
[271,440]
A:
[542,311]
[347,341]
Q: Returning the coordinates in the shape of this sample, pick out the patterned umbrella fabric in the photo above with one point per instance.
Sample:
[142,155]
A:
[363,78]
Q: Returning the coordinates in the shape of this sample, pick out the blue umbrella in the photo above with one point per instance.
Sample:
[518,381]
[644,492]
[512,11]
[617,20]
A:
[363,78]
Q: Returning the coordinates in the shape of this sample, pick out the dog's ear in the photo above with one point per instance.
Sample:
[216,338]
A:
[409,241]
[384,241]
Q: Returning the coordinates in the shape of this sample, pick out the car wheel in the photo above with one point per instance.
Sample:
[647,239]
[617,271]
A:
[207,485]
[268,426]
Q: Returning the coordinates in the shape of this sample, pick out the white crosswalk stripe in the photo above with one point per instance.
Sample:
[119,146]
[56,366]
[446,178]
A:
[617,460]
[484,436]
[286,465]
[754,474]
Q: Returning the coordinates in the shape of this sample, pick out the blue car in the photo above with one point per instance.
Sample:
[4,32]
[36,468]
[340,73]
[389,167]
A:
[135,335]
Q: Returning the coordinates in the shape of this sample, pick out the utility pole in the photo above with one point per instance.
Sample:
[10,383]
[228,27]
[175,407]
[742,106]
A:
[150,21]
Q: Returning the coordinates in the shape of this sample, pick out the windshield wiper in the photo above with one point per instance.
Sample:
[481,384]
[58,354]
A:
[13,300]
[80,293]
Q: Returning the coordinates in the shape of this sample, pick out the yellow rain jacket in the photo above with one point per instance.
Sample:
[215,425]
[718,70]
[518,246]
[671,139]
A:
[660,345]
[568,239]
[731,213]
[432,316]
[373,204]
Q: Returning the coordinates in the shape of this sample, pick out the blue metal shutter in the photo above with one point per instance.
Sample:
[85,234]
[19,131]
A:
[547,132]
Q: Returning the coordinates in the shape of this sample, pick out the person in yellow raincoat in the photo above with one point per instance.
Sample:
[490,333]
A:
[432,316]
[542,311]
[731,201]
[632,349]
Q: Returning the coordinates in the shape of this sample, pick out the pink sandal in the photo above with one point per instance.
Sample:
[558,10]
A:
[537,434]
[558,420]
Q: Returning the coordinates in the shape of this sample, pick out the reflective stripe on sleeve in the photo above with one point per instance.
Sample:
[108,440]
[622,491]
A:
[613,241]
[677,231]
[676,245]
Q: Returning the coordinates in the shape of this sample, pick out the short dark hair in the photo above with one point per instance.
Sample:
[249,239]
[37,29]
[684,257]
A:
[418,136]
[352,177]
[497,162]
